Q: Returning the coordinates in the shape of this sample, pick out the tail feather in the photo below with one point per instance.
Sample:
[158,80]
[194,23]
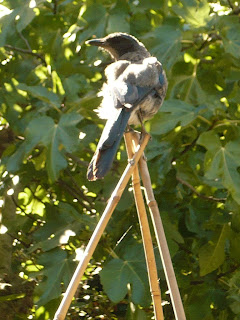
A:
[108,144]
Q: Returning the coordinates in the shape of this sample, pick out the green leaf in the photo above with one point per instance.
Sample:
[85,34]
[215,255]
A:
[130,269]
[19,19]
[75,85]
[135,313]
[55,137]
[164,43]
[58,269]
[62,222]
[197,217]
[118,20]
[94,16]
[230,33]
[194,12]
[185,83]
[222,162]
[26,15]
[172,234]
[212,254]
[234,246]
[198,302]
[7,26]
[172,113]
[42,93]
[233,293]
[231,41]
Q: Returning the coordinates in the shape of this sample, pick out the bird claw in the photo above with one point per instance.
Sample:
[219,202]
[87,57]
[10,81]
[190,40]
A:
[129,128]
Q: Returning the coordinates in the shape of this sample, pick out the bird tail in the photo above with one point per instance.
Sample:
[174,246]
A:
[108,144]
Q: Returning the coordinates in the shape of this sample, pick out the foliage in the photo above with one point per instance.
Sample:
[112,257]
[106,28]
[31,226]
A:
[49,131]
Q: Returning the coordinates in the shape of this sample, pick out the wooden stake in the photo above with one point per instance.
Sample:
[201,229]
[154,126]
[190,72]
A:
[161,240]
[115,197]
[145,231]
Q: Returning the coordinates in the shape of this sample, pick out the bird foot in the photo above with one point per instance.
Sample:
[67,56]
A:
[129,128]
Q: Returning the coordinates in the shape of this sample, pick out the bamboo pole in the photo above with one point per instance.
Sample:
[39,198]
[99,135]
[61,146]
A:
[161,238]
[115,197]
[145,231]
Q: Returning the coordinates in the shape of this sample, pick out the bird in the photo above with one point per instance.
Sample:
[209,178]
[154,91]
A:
[134,90]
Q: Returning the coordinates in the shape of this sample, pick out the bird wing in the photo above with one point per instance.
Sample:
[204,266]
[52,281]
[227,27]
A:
[135,82]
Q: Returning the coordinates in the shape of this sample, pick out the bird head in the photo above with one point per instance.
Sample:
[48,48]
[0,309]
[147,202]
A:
[119,44]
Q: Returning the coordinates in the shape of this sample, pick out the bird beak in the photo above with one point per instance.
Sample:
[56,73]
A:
[96,42]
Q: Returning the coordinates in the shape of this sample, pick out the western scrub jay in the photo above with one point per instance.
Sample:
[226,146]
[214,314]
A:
[135,88]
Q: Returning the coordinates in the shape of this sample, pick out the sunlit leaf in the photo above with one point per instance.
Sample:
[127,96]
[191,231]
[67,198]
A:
[194,12]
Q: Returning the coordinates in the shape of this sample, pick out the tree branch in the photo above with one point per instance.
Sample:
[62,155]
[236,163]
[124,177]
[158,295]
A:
[25,40]
[200,195]
[26,51]
[230,4]
[26,214]
[74,193]
[231,270]
[188,147]
[76,159]
[75,184]
[55,7]
[26,245]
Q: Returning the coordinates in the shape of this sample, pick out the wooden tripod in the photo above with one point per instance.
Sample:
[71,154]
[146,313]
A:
[135,155]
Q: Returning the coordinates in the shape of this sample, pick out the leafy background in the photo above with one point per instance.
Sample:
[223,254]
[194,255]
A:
[48,90]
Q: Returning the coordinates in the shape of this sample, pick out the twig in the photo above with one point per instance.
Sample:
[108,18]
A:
[236,11]
[55,7]
[230,4]
[18,206]
[219,276]
[77,189]
[204,119]
[36,197]
[186,149]
[211,37]
[77,160]
[26,51]
[232,269]
[74,193]
[200,195]
[24,39]
[26,245]
[212,61]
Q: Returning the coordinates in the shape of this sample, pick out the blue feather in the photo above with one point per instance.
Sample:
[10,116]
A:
[108,145]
